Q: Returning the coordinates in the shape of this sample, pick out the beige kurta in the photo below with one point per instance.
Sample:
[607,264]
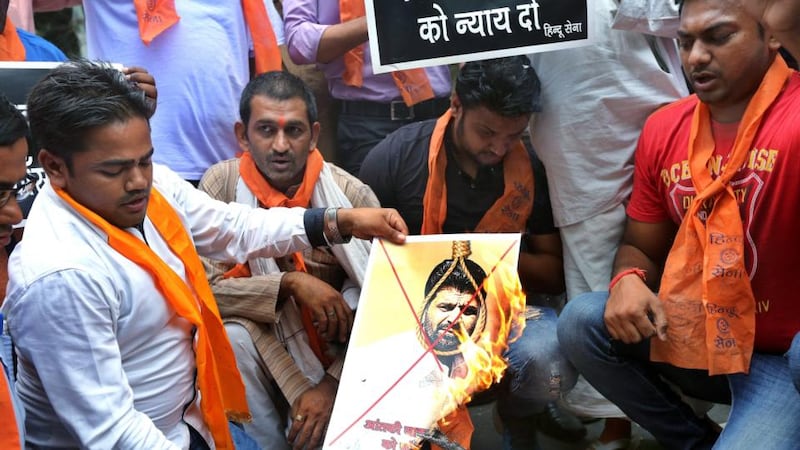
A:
[253,302]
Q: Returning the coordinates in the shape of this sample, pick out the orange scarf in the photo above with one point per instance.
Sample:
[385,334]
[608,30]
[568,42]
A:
[413,84]
[155,16]
[705,288]
[9,433]
[270,197]
[221,387]
[507,215]
[11,48]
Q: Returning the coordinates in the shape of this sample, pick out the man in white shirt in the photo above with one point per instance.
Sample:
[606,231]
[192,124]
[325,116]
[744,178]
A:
[119,340]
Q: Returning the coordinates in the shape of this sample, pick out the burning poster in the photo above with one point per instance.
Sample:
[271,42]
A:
[433,321]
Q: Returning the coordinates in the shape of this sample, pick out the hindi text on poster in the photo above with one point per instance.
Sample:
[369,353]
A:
[407,34]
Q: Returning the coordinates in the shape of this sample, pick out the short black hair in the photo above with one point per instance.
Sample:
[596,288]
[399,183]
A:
[277,85]
[459,279]
[13,125]
[75,99]
[507,86]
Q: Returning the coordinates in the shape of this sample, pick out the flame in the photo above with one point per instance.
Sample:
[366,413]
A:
[505,307]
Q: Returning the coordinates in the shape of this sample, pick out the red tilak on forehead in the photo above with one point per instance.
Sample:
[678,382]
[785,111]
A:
[281,122]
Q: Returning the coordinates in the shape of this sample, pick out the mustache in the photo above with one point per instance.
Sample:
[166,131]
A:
[447,327]
[274,156]
[702,72]
[135,195]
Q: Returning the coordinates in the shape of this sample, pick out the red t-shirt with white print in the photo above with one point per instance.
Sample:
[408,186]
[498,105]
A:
[767,188]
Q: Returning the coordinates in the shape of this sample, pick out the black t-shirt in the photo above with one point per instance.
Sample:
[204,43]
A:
[397,171]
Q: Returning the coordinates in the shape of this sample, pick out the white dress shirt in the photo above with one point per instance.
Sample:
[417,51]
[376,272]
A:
[104,361]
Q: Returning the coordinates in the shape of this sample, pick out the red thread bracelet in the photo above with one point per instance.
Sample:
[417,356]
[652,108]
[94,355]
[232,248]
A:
[633,270]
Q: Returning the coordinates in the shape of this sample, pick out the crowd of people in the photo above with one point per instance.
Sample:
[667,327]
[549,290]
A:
[188,275]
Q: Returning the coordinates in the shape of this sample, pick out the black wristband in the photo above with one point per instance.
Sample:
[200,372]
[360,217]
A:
[314,221]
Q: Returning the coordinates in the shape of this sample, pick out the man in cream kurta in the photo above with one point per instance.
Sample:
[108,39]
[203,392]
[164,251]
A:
[262,311]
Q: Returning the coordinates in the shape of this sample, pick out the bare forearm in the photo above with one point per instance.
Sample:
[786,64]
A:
[645,246]
[629,257]
[340,38]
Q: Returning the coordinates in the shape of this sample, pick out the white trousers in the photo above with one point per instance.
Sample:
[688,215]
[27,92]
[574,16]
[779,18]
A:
[589,250]
[267,405]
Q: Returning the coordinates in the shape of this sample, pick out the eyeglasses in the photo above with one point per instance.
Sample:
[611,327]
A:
[21,190]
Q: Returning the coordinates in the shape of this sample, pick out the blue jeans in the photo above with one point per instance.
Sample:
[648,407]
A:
[538,372]
[766,406]
[241,440]
[793,355]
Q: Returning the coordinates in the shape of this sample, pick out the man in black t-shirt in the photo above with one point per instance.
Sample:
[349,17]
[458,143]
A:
[469,171]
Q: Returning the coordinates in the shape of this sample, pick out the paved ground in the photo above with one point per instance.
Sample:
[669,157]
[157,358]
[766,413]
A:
[486,438]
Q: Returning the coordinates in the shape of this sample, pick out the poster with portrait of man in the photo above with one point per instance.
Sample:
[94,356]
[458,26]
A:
[430,329]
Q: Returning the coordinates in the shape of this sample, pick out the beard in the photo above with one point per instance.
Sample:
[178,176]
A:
[448,341]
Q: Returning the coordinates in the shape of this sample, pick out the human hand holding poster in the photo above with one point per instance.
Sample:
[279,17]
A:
[433,321]
[406,34]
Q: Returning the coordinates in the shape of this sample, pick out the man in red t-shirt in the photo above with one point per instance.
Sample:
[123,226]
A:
[710,228]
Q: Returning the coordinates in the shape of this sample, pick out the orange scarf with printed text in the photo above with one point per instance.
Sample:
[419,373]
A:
[222,393]
[270,197]
[705,288]
[11,48]
[413,84]
[507,215]
[155,16]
